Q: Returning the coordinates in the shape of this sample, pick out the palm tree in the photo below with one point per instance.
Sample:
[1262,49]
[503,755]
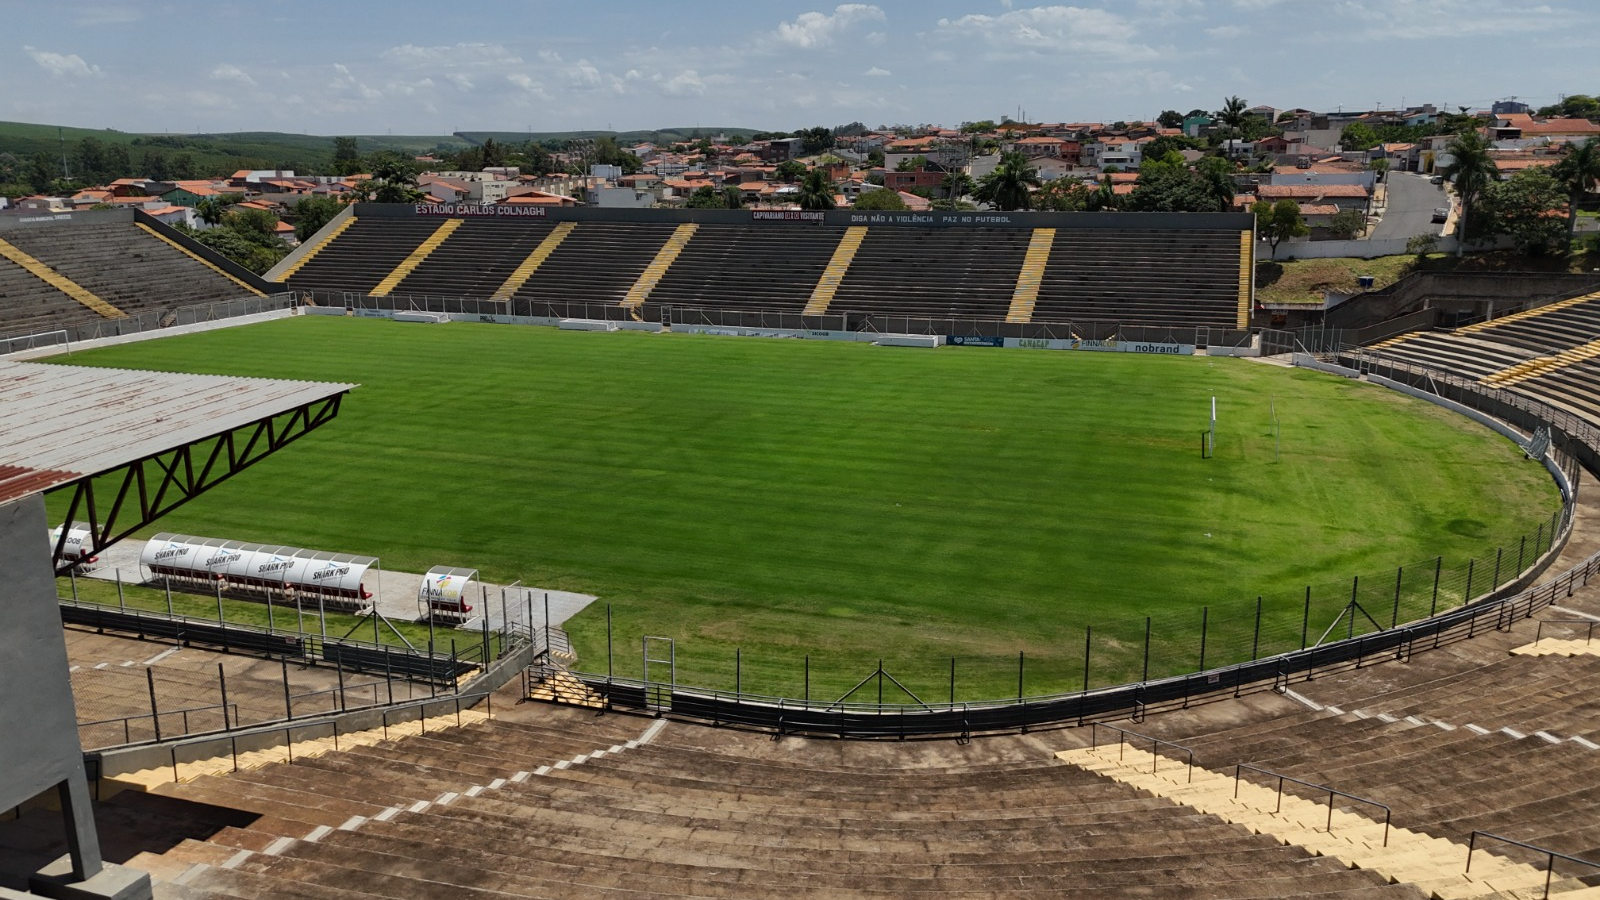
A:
[1216,177]
[815,191]
[210,210]
[1471,168]
[1007,186]
[1232,113]
[1579,173]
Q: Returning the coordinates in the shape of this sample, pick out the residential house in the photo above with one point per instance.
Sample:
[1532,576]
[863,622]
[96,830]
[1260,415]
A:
[1344,196]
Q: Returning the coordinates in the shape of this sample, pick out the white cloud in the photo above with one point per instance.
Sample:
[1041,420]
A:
[875,71]
[527,85]
[1074,30]
[812,30]
[684,84]
[347,81]
[1225,32]
[62,64]
[109,15]
[230,72]
[1440,19]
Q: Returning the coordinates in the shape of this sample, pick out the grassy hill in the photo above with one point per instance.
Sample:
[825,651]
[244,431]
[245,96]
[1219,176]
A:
[216,154]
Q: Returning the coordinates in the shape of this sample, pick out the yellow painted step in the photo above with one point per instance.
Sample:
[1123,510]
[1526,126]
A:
[653,273]
[1434,865]
[410,263]
[202,260]
[1247,270]
[1031,275]
[525,270]
[1543,365]
[833,275]
[300,263]
[1527,314]
[60,282]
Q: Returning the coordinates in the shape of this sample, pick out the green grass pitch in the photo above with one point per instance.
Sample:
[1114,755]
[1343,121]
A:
[852,503]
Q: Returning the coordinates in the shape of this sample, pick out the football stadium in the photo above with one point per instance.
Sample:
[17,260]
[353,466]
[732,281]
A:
[579,552]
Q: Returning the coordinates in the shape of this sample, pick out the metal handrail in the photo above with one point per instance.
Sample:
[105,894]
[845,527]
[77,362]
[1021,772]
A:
[1238,774]
[1094,744]
[1588,623]
[1550,856]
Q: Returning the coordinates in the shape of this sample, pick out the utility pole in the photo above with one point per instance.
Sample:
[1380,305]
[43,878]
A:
[61,136]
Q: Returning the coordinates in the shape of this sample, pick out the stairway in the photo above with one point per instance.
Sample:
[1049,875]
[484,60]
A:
[523,272]
[1527,314]
[426,248]
[554,684]
[651,276]
[833,275]
[1031,275]
[1247,269]
[60,282]
[300,263]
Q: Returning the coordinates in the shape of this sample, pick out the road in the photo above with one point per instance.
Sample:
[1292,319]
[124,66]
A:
[1412,201]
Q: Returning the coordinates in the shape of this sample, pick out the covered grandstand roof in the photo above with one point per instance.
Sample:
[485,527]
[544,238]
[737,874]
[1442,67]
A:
[63,423]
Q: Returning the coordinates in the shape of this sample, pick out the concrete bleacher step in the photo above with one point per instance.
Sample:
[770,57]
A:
[534,260]
[1031,275]
[1557,647]
[1408,857]
[60,282]
[422,252]
[219,765]
[316,249]
[838,266]
[244,285]
[653,273]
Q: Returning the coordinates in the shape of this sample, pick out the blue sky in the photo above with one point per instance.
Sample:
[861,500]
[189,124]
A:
[432,68]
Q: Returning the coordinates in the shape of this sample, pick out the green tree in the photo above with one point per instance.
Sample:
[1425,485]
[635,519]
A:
[880,199]
[1170,118]
[211,210]
[1161,146]
[1166,188]
[91,159]
[815,140]
[983,126]
[43,169]
[789,171]
[182,167]
[119,163]
[956,185]
[706,197]
[346,156]
[1346,224]
[732,197]
[1577,106]
[1525,206]
[1232,114]
[1358,136]
[1578,173]
[1064,195]
[394,180]
[815,191]
[494,155]
[875,158]
[1215,175]
[154,165]
[1007,187]
[311,213]
[1277,222]
[912,164]
[1471,169]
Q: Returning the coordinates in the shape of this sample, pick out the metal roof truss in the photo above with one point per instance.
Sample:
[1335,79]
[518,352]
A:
[155,485]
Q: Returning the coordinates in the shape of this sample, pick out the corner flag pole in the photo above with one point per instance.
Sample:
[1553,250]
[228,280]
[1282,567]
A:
[1213,425]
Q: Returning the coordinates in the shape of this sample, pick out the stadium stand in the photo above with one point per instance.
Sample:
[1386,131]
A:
[750,267]
[476,260]
[32,304]
[1187,278]
[596,263]
[547,802]
[365,251]
[934,273]
[1157,270]
[127,266]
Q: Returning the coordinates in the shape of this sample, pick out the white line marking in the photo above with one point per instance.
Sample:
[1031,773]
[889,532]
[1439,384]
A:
[497,784]
[1584,742]
[387,814]
[1303,700]
[197,868]
[1414,720]
[651,732]
[473,791]
[1444,725]
[352,823]
[1574,612]
[560,765]
[520,777]
[277,847]
[74,668]
[160,656]
[317,834]
[102,665]
[1334,709]
[1386,718]
[1516,734]
[446,797]
[1547,736]
[419,806]
[1476,729]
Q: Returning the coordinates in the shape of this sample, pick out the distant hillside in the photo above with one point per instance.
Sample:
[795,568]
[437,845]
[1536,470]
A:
[216,154]
[658,136]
